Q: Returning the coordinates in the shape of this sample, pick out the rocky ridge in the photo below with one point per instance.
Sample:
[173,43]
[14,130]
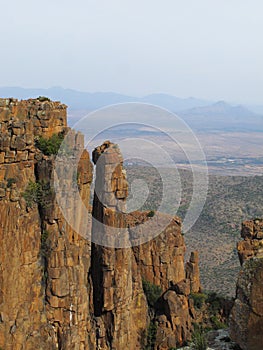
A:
[57,289]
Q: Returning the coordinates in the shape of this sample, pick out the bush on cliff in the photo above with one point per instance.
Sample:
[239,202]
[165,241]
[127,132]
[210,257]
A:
[151,291]
[43,99]
[217,324]
[32,194]
[199,299]
[37,193]
[50,145]
[151,336]
[199,341]
[151,214]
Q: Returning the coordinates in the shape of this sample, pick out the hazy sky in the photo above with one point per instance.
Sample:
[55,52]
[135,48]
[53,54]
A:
[203,48]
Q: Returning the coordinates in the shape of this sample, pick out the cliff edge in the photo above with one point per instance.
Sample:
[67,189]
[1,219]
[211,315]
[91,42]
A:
[57,289]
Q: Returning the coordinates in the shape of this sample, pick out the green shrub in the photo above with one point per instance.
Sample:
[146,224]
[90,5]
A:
[33,193]
[217,324]
[199,341]
[43,99]
[37,193]
[151,291]
[214,301]
[51,145]
[199,299]
[151,336]
[151,214]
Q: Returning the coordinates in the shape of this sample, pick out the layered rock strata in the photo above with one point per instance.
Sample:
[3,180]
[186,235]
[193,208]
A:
[57,289]
[158,265]
[246,321]
[119,301]
[161,262]
[44,264]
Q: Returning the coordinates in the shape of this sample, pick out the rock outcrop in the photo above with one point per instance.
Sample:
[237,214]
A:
[174,317]
[57,289]
[161,262]
[67,261]
[252,244]
[119,301]
[159,265]
[44,264]
[192,272]
[246,321]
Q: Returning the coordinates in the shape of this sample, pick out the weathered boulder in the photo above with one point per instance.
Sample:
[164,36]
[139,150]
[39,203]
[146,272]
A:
[174,322]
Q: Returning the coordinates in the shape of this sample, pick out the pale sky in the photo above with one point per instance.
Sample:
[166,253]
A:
[209,49]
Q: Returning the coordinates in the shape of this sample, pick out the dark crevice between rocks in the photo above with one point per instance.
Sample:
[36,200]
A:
[43,175]
[97,276]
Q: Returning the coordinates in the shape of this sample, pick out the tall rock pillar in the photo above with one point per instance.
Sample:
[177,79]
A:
[119,303]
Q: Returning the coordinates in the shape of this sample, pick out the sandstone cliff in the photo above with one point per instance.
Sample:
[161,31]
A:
[246,321]
[57,289]
[119,301]
[44,264]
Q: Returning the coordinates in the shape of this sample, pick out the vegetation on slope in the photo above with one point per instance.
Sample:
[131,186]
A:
[230,200]
[50,145]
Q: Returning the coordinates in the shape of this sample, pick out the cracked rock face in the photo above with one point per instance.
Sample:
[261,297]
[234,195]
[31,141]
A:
[246,321]
[57,289]
[119,301]
[252,243]
[44,264]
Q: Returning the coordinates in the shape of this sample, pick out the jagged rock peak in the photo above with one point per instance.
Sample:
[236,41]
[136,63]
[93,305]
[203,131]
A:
[110,151]
[111,186]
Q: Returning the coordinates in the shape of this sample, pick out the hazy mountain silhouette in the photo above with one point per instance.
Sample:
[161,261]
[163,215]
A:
[221,116]
[90,101]
[220,109]
[202,115]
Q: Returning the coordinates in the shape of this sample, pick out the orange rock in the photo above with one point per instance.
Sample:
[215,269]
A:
[246,319]
[57,290]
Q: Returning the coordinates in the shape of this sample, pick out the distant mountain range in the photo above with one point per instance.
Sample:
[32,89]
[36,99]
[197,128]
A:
[220,109]
[200,114]
[221,116]
[90,101]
